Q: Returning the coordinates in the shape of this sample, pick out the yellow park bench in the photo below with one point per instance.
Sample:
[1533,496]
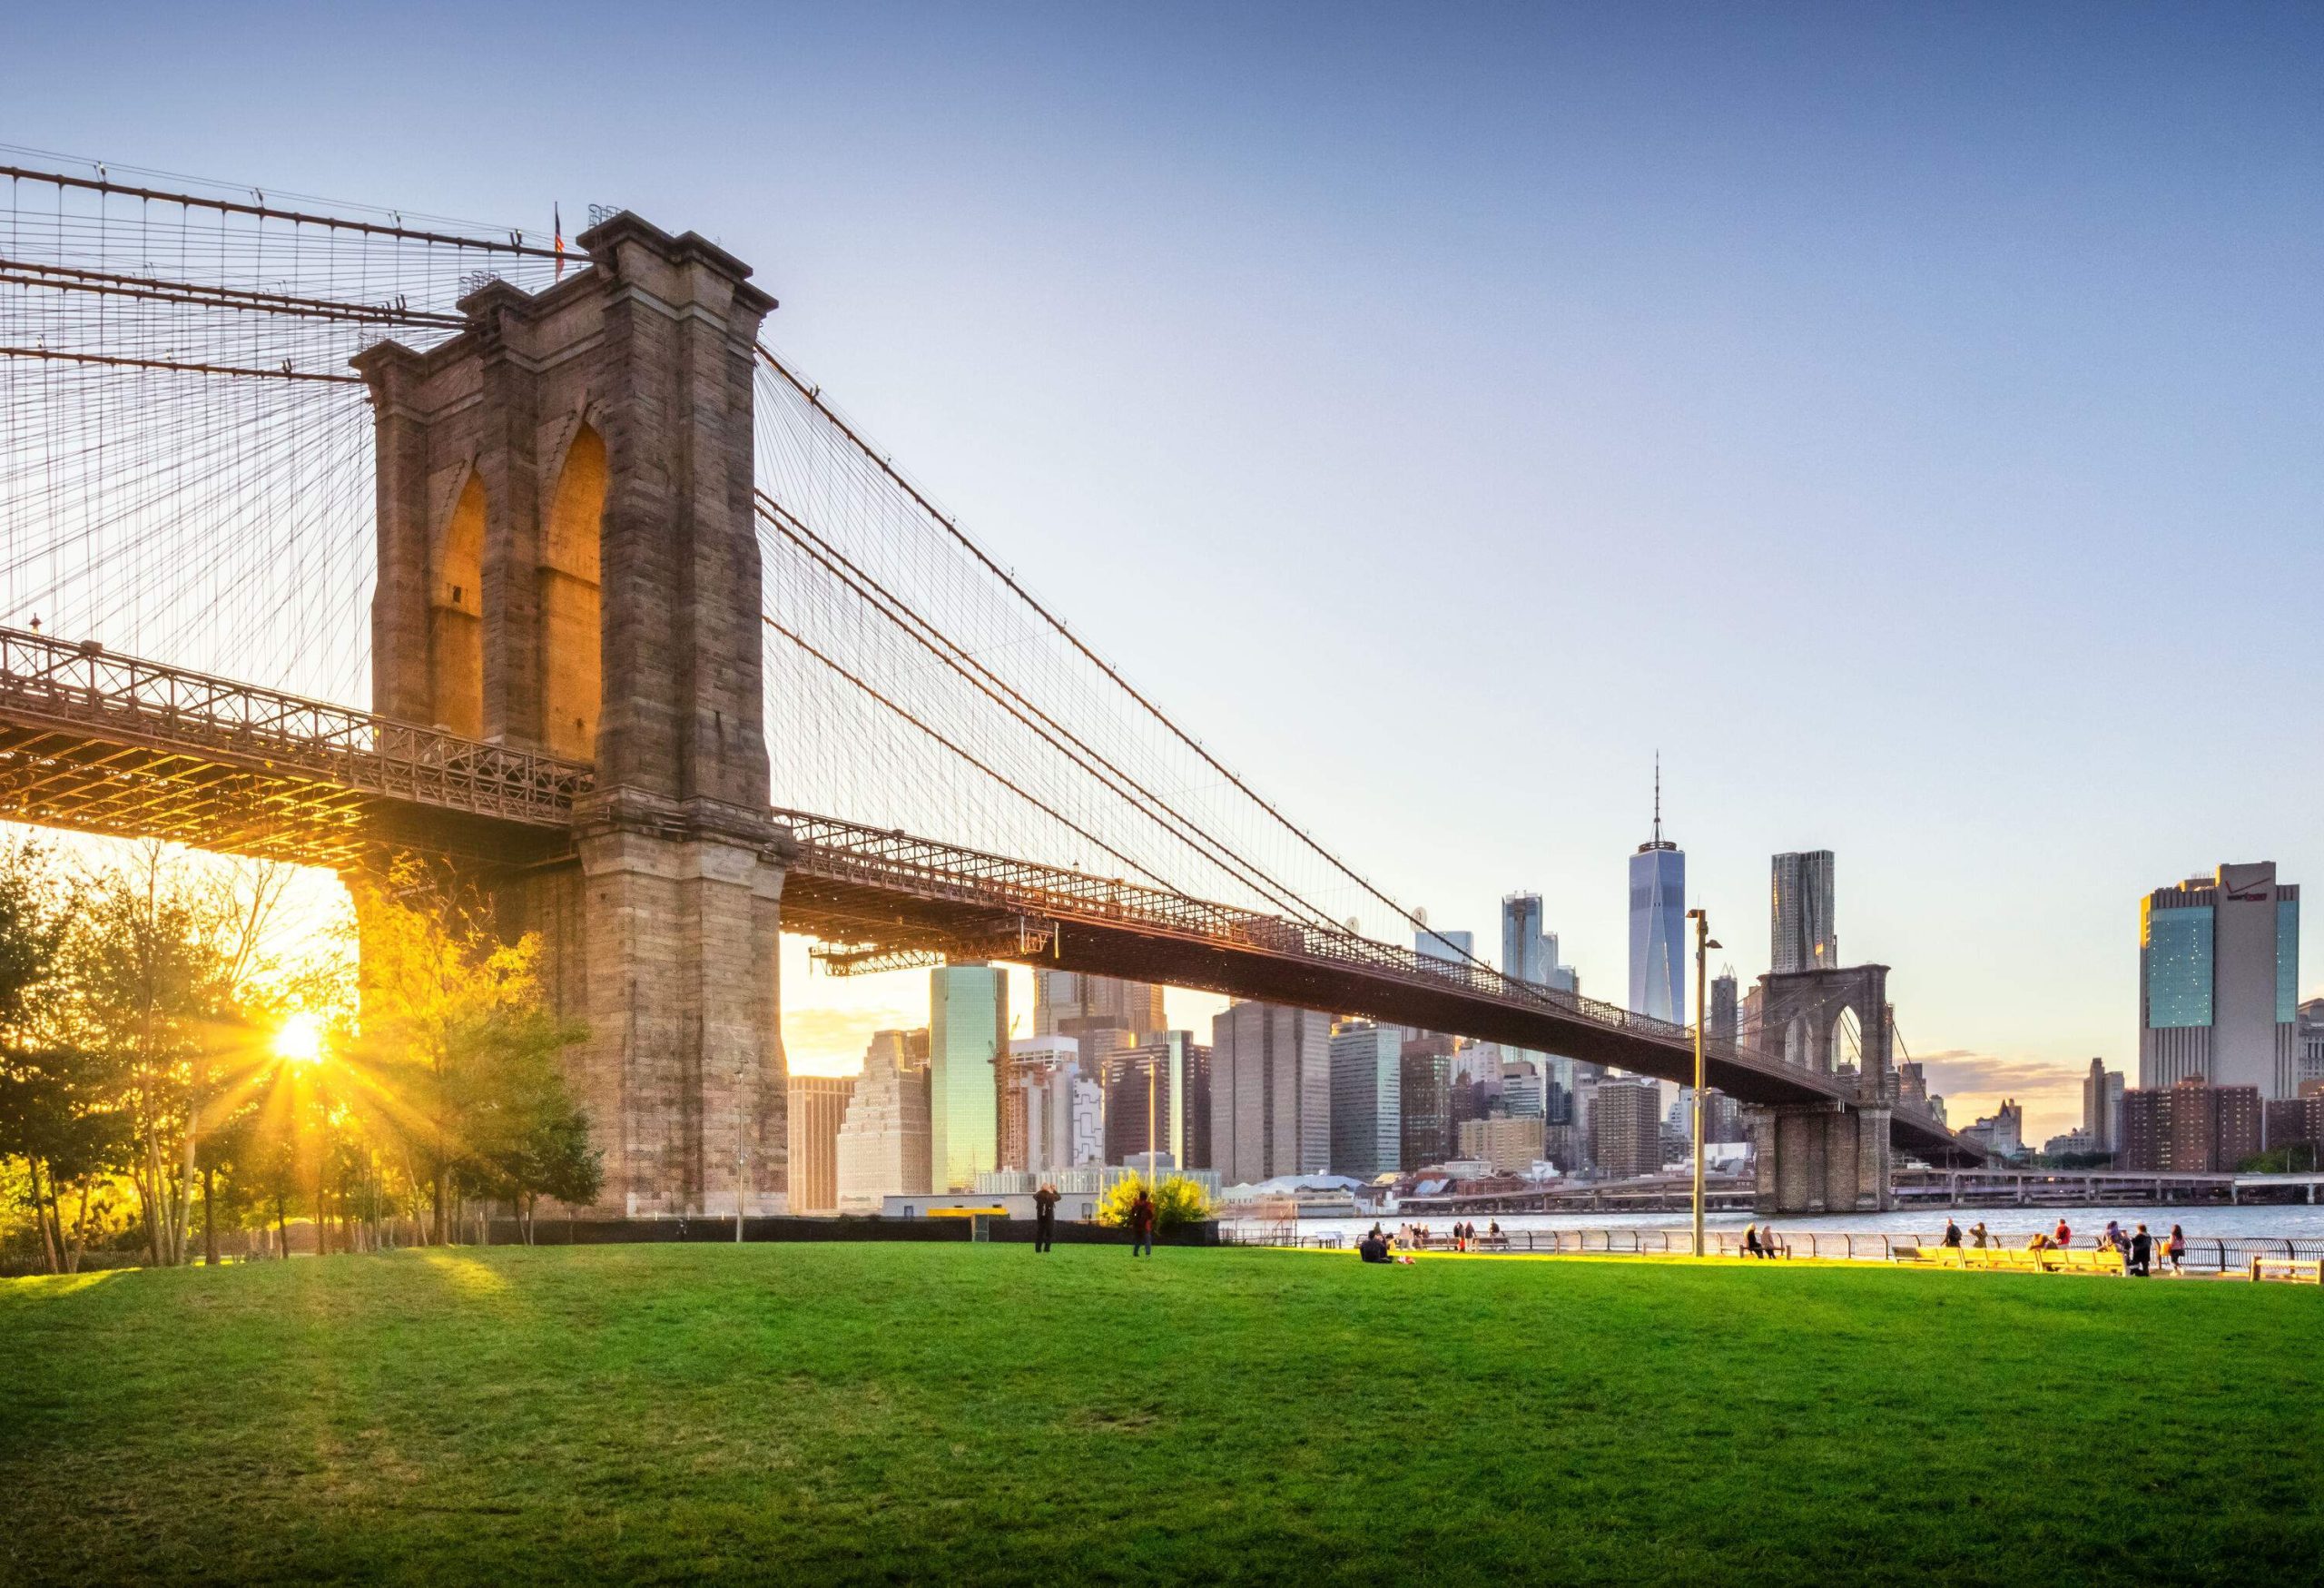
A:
[2069,1260]
[2017,1260]
[2291,1270]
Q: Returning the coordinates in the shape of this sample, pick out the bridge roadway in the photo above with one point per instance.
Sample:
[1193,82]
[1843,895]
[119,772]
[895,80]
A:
[97,742]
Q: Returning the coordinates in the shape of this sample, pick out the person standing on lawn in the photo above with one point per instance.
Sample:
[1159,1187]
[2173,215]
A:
[1044,1218]
[1141,1224]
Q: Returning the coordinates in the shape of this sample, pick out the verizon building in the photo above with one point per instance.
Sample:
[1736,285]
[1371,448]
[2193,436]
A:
[2219,978]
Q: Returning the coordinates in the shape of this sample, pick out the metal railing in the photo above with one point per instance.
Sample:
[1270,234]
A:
[61,687]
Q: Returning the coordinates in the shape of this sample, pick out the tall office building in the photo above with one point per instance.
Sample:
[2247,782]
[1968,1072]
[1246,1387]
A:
[1626,1128]
[1801,932]
[818,1109]
[1508,1145]
[1270,1092]
[2219,982]
[1726,1024]
[1037,1093]
[2102,1107]
[1068,1004]
[1523,946]
[1528,954]
[882,1146]
[1424,1102]
[1659,922]
[1367,1116]
[2190,1128]
[968,1034]
[1457,946]
[1163,1082]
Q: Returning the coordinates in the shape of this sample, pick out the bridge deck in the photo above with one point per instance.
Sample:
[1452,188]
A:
[108,743]
[858,883]
[101,742]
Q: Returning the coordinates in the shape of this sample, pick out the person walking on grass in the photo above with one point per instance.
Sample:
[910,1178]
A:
[1141,1224]
[1044,1218]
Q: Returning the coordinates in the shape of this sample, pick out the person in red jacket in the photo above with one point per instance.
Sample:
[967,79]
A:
[1141,1224]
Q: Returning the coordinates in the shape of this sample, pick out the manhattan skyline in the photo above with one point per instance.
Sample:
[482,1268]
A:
[1898,502]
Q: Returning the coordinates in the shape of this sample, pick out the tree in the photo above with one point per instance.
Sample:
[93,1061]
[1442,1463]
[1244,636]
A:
[1179,1201]
[52,1113]
[161,960]
[455,1025]
[51,1116]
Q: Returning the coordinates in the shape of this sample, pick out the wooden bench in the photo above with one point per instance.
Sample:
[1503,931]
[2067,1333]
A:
[2289,1270]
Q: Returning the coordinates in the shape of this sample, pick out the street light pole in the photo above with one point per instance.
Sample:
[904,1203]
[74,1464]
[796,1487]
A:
[1703,945]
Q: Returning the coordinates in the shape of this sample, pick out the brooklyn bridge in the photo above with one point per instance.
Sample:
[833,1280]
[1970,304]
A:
[660,652]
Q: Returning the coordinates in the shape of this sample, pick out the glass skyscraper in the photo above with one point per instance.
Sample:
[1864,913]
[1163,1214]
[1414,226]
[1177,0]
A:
[1455,946]
[967,1033]
[1800,932]
[1522,943]
[1367,1113]
[1659,923]
[2218,981]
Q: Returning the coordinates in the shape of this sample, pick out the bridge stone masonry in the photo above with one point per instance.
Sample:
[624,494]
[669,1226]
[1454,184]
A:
[568,563]
[1827,1156]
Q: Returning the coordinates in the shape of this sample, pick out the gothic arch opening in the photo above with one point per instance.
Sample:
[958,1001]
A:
[456,617]
[1847,1043]
[572,647]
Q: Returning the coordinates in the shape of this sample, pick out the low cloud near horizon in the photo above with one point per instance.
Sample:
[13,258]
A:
[1974,1084]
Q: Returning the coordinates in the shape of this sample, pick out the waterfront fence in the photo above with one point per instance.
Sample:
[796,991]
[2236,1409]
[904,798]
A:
[2205,1254]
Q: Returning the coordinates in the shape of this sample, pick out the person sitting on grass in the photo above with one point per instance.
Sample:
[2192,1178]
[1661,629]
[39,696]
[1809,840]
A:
[1373,1247]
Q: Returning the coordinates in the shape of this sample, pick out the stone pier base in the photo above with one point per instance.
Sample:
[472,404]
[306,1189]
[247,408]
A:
[1822,1159]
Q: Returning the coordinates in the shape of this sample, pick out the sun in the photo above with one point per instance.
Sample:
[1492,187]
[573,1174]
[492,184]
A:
[299,1039]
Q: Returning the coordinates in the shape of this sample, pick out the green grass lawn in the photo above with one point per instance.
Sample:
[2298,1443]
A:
[957,1413]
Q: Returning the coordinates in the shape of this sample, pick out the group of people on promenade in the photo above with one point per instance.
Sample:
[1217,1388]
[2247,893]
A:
[2140,1249]
[1761,1241]
[1378,1246]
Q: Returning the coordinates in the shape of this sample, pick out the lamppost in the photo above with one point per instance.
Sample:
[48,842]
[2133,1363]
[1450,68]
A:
[1703,945]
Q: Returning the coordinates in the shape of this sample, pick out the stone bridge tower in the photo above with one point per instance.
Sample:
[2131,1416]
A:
[569,562]
[1823,1157]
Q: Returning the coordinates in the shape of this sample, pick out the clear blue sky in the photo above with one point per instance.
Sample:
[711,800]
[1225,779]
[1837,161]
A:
[1907,418]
